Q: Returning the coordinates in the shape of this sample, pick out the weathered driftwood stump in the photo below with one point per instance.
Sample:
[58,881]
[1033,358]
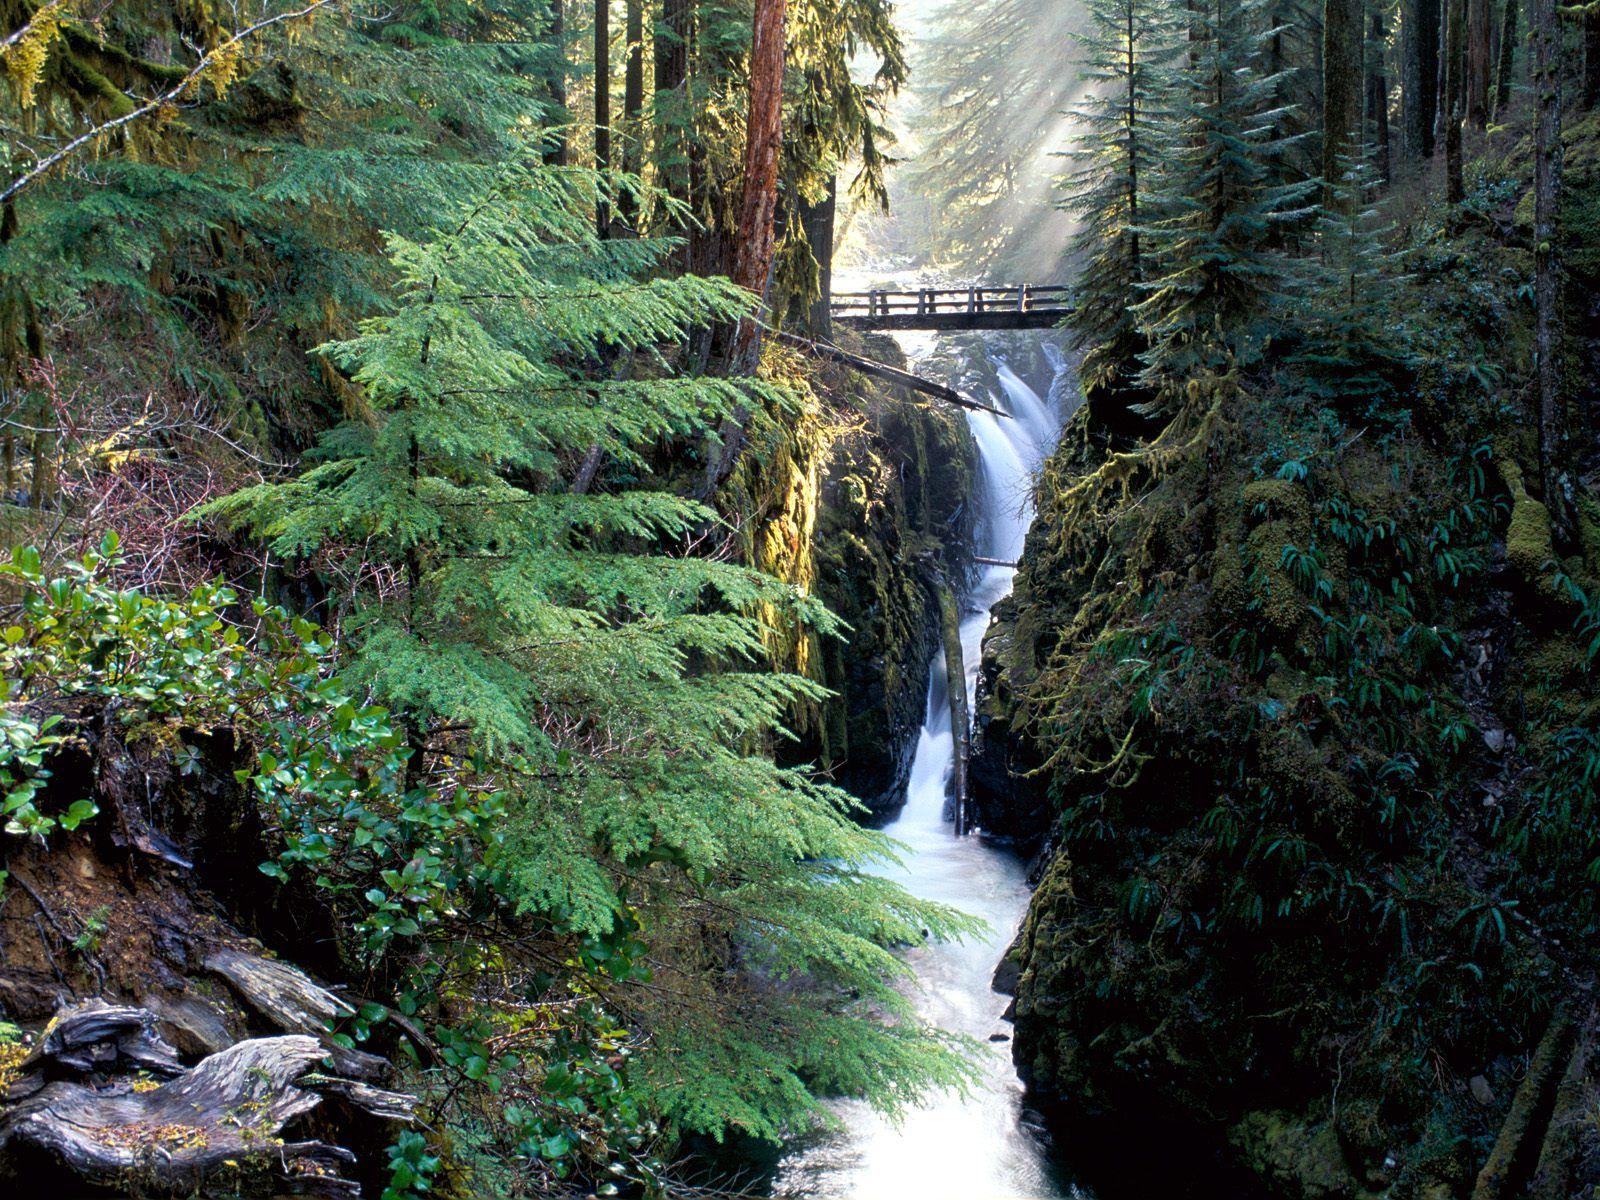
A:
[291,1000]
[218,1125]
[98,1037]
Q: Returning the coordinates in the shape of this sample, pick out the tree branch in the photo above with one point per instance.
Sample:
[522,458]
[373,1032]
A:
[175,92]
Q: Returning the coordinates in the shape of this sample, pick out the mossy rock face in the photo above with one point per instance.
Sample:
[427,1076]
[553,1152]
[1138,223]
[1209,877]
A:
[888,508]
[1529,544]
[1314,725]
[1299,1161]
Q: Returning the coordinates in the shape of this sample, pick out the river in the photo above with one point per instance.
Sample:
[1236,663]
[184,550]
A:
[976,1146]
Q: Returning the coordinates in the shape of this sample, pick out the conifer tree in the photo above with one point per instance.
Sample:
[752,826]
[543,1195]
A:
[1224,209]
[1349,340]
[996,82]
[613,684]
[1129,49]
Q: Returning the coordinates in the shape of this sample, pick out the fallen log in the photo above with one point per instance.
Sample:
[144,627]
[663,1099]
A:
[1571,1123]
[292,1001]
[887,373]
[1516,1149]
[210,1122]
[285,995]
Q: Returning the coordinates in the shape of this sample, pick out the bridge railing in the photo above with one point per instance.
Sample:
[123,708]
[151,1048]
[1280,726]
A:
[928,301]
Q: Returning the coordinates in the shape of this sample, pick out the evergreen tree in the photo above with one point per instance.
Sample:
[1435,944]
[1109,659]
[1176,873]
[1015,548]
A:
[1128,52]
[1223,206]
[1351,341]
[613,685]
[253,196]
[995,83]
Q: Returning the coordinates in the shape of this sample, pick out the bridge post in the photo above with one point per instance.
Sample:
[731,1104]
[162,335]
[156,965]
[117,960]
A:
[1022,297]
[972,300]
[922,302]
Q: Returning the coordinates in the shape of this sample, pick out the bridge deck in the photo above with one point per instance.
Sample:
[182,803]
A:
[1029,306]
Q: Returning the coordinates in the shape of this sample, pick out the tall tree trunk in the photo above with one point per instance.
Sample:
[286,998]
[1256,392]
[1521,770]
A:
[22,343]
[1455,62]
[1476,82]
[1440,92]
[559,149]
[673,31]
[1508,56]
[1419,76]
[817,220]
[632,111]
[602,107]
[1591,57]
[758,209]
[1545,28]
[758,204]
[1341,89]
[1378,93]
[1130,116]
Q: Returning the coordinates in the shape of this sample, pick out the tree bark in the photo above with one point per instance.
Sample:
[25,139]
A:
[817,220]
[758,206]
[1451,102]
[1545,28]
[560,150]
[1341,90]
[602,108]
[1130,130]
[674,29]
[1591,57]
[632,110]
[1378,94]
[1476,82]
[1508,54]
[752,253]
[1419,76]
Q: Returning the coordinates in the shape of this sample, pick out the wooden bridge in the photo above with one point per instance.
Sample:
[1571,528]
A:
[1029,306]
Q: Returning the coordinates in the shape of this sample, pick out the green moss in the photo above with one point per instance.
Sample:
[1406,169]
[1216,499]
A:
[1277,514]
[1528,539]
[1589,534]
[856,510]
[1299,1160]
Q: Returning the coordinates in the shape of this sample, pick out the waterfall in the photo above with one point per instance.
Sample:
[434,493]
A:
[975,1146]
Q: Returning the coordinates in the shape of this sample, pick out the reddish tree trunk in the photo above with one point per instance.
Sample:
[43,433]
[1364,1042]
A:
[758,207]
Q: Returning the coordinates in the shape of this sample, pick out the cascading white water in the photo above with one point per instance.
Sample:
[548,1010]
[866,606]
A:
[973,1146]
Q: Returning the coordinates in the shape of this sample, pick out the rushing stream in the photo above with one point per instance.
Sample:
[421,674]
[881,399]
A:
[977,1146]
